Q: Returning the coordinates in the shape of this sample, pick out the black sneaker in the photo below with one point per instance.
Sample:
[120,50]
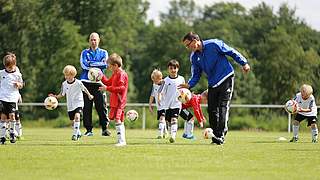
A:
[217,141]
[3,140]
[12,138]
[106,133]
[88,133]
[294,139]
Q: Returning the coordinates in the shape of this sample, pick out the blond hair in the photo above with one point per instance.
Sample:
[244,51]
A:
[156,73]
[114,58]
[70,70]
[9,60]
[307,89]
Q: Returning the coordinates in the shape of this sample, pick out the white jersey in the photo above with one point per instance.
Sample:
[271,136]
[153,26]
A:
[170,92]
[73,93]
[8,92]
[309,103]
[155,93]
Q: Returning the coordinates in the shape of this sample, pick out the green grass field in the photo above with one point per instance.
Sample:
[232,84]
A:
[50,154]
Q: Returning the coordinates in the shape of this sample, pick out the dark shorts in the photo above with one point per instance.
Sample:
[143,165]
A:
[8,107]
[310,119]
[161,113]
[186,114]
[172,113]
[73,113]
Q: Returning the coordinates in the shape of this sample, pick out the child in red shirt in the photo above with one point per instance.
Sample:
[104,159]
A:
[117,85]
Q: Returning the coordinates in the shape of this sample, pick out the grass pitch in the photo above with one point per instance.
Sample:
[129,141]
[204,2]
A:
[50,154]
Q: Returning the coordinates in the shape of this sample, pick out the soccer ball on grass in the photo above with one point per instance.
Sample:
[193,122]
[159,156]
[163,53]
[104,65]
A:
[132,115]
[51,103]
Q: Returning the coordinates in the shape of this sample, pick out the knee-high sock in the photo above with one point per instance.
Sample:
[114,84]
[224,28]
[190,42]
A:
[295,129]
[76,128]
[314,133]
[12,127]
[3,126]
[190,126]
[18,128]
[120,132]
[174,127]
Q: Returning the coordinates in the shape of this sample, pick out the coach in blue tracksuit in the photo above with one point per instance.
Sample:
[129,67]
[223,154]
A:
[209,56]
[93,57]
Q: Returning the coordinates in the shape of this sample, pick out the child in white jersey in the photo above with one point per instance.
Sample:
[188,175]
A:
[156,77]
[307,109]
[11,81]
[168,97]
[72,88]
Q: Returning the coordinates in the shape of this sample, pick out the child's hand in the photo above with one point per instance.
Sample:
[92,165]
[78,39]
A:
[17,85]
[90,97]
[201,124]
[102,88]
[151,108]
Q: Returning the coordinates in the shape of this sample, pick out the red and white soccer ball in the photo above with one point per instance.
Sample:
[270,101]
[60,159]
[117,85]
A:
[184,95]
[51,103]
[132,115]
[291,106]
[95,74]
[208,133]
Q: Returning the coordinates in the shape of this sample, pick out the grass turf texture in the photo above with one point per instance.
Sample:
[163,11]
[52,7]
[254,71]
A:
[50,154]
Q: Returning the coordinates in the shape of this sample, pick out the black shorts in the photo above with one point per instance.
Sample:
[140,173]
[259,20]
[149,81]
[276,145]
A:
[310,119]
[172,113]
[161,113]
[186,114]
[73,113]
[8,107]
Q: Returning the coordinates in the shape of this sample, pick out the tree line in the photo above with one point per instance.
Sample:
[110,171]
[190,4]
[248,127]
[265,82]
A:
[282,49]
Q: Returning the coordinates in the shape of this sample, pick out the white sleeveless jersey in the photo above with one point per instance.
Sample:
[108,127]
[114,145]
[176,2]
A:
[73,93]
[155,93]
[170,92]
[309,103]
[8,92]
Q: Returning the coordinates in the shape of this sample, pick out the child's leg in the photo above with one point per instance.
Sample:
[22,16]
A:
[76,124]
[12,124]
[190,126]
[3,125]
[18,126]
[162,126]
[314,132]
[120,128]
[295,128]
[174,128]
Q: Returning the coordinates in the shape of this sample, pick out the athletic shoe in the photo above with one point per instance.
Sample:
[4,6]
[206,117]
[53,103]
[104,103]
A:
[13,138]
[217,140]
[294,139]
[191,137]
[172,140]
[74,138]
[106,133]
[3,140]
[159,137]
[314,141]
[120,144]
[88,133]
[184,135]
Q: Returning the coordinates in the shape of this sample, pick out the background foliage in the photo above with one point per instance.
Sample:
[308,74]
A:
[282,49]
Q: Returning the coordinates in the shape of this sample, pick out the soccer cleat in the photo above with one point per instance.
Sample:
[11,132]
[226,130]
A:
[184,135]
[3,140]
[12,138]
[294,139]
[74,138]
[217,140]
[191,137]
[88,133]
[172,140]
[159,137]
[106,133]
[120,144]
[314,141]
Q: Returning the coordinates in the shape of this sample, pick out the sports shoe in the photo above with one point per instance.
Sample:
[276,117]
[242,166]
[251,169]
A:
[76,137]
[12,138]
[217,140]
[191,137]
[172,140]
[106,133]
[314,141]
[3,140]
[294,139]
[159,137]
[88,133]
[184,135]
[119,144]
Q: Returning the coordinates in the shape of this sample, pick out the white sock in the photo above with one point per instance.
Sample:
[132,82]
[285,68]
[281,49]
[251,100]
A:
[314,133]
[174,128]
[76,128]
[165,130]
[161,128]
[121,132]
[295,130]
[18,128]
[3,126]
[185,127]
[12,127]
[190,126]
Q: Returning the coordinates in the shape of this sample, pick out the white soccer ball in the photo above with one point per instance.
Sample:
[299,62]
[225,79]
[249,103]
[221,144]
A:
[51,103]
[95,74]
[208,133]
[184,95]
[291,106]
[132,115]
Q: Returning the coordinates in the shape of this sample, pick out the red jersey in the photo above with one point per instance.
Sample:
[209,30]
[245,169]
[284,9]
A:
[117,85]
[194,102]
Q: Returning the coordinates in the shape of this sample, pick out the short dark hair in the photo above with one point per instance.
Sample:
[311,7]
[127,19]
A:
[173,63]
[191,36]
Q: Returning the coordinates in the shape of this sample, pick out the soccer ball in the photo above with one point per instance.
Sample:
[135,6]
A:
[95,74]
[50,103]
[132,115]
[208,133]
[291,106]
[184,95]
